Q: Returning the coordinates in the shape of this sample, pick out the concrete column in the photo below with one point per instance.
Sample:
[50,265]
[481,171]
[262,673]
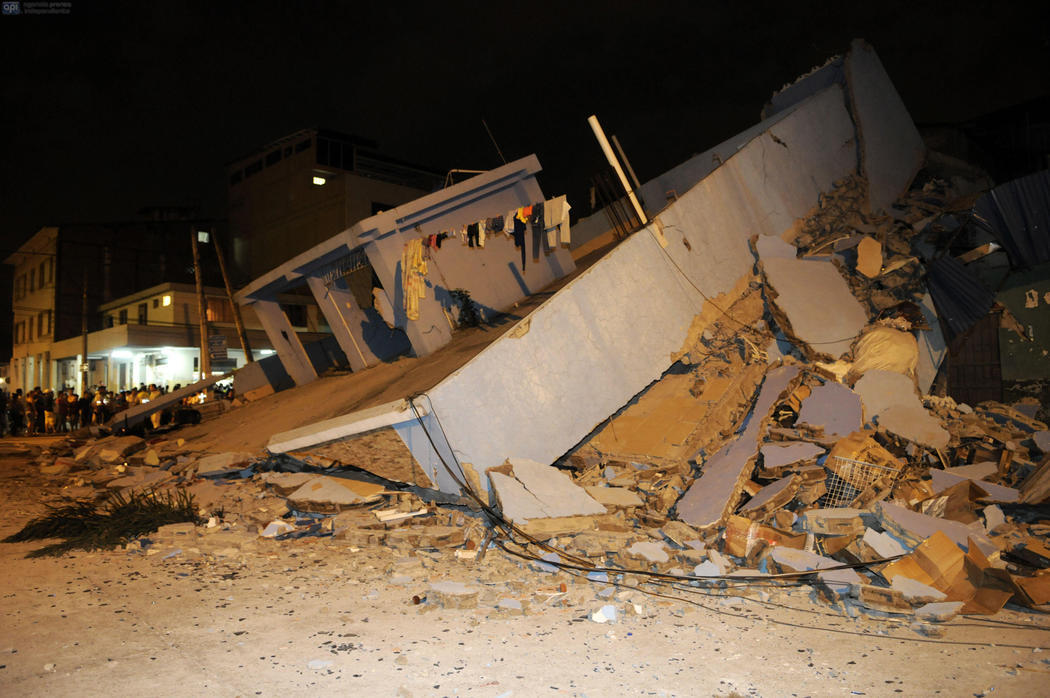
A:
[284,340]
[432,330]
[345,318]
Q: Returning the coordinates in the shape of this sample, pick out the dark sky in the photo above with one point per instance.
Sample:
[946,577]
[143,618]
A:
[125,105]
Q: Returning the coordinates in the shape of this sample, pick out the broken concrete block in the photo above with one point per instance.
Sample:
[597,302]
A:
[649,551]
[60,466]
[326,494]
[531,490]
[993,517]
[880,598]
[883,544]
[880,390]
[285,483]
[151,458]
[939,612]
[833,522]
[777,456]
[771,497]
[976,471]
[680,534]
[713,495]
[916,425]
[944,479]
[916,592]
[793,560]
[614,496]
[276,528]
[814,306]
[914,528]
[834,408]
[452,595]
[605,614]
[120,448]
[869,257]
[219,464]
[707,568]
[1042,440]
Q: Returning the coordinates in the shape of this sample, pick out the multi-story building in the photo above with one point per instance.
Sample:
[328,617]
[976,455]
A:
[300,190]
[63,269]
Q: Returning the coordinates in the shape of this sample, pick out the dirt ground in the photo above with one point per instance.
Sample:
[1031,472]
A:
[316,615]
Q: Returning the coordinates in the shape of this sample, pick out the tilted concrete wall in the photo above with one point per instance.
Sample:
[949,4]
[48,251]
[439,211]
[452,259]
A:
[600,340]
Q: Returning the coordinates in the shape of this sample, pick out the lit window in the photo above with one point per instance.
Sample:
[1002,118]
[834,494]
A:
[203,236]
[165,301]
[319,181]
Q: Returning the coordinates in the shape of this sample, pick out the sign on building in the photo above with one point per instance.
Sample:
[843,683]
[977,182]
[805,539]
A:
[217,346]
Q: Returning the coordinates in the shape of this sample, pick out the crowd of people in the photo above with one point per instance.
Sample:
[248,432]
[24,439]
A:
[47,412]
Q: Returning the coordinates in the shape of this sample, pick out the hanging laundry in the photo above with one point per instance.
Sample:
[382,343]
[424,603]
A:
[519,238]
[556,221]
[508,222]
[538,238]
[472,234]
[482,226]
[495,225]
[441,238]
[413,277]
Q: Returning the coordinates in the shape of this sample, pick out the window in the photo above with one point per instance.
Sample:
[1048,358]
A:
[122,317]
[303,145]
[287,150]
[253,168]
[43,278]
[109,321]
[165,301]
[156,303]
[40,324]
[218,310]
[143,309]
[32,280]
[50,270]
[47,323]
[273,158]
[30,337]
[236,177]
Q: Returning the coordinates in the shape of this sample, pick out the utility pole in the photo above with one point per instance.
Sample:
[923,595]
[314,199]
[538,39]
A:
[241,334]
[84,337]
[611,157]
[205,361]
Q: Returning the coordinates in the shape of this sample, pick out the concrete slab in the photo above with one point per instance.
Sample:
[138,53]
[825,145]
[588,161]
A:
[916,592]
[714,494]
[880,390]
[913,528]
[614,496]
[782,489]
[323,493]
[779,455]
[891,149]
[218,464]
[916,425]
[385,415]
[975,471]
[1042,440]
[883,544]
[536,491]
[771,246]
[943,479]
[815,303]
[834,408]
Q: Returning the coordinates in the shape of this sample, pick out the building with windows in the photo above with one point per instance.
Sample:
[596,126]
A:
[304,188]
[61,270]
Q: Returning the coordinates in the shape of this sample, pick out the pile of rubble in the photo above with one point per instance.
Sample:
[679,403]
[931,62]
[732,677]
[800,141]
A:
[792,441]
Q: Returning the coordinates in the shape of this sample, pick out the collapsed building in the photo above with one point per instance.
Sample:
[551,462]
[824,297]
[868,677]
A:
[744,387]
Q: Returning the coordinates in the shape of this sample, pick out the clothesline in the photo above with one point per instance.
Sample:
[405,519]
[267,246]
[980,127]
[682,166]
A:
[548,221]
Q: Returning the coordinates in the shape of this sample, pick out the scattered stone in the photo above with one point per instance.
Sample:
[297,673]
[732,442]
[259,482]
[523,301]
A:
[452,595]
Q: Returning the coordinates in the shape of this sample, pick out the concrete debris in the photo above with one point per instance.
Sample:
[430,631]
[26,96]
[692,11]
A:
[529,490]
[786,427]
[834,409]
[814,306]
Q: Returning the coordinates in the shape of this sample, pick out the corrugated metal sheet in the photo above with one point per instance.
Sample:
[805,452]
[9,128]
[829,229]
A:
[1018,215]
[961,299]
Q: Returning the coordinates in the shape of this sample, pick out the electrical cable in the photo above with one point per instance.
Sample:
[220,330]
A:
[582,565]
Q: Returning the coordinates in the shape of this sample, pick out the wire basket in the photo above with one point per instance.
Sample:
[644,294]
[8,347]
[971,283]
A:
[848,479]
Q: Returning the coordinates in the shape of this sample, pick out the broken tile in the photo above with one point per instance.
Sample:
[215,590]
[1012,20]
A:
[219,464]
[531,490]
[650,551]
[939,612]
[327,494]
[771,497]
[916,425]
[915,528]
[614,496]
[779,455]
[943,479]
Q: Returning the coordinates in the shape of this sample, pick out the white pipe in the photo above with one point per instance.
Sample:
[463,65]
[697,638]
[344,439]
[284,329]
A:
[611,157]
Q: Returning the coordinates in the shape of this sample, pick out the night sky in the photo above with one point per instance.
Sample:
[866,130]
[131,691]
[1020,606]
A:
[121,106]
